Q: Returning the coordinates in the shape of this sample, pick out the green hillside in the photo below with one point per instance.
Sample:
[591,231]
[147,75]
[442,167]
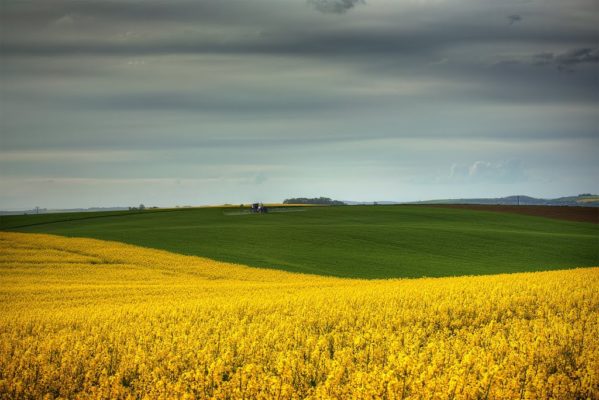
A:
[361,241]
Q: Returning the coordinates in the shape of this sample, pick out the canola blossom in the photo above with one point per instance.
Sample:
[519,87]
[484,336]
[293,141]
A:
[83,318]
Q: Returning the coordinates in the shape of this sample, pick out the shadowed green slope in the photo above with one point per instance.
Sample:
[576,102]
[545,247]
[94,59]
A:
[362,241]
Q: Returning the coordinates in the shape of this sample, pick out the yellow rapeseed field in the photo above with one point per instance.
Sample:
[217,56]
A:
[82,318]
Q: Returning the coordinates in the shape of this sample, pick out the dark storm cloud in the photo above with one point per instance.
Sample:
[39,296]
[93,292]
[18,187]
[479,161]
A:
[40,12]
[205,11]
[231,103]
[62,28]
[334,6]
[350,44]
[514,18]
[567,61]
[391,42]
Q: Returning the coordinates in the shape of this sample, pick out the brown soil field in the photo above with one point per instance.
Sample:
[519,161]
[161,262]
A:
[579,214]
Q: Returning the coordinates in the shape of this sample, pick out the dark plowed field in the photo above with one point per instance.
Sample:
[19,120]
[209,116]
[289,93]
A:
[579,214]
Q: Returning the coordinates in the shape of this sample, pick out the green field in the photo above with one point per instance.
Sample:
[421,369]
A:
[359,241]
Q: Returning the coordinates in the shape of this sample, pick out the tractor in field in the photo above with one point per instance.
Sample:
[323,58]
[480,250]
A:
[259,208]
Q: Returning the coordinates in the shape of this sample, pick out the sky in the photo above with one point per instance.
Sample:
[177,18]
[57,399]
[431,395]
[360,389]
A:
[165,103]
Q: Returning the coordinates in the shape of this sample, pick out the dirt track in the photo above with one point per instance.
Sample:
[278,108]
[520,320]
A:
[579,214]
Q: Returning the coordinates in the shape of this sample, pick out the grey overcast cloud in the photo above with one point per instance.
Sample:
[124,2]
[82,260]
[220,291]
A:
[116,103]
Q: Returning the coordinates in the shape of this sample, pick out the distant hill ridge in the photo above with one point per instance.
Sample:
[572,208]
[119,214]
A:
[583,200]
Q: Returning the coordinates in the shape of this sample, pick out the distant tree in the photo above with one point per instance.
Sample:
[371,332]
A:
[142,207]
[315,200]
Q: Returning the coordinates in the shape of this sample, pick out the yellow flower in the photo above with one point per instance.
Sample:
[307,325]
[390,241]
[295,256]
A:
[83,318]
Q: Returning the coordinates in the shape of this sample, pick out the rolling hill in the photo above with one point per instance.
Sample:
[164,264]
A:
[582,200]
[360,242]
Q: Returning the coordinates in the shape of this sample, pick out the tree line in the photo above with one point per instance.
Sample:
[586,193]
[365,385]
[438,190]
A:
[315,200]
